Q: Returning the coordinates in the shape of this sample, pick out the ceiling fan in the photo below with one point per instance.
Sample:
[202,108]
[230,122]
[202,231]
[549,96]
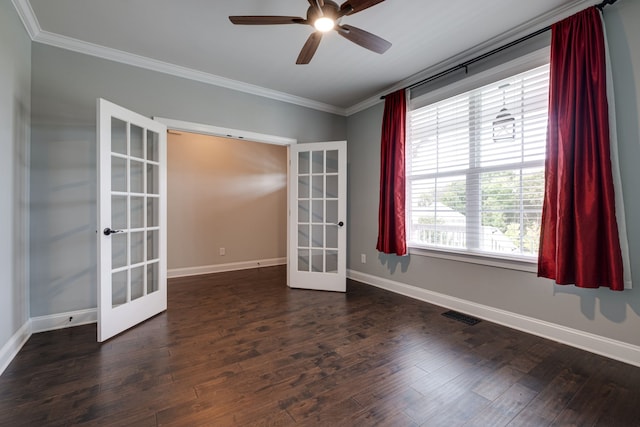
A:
[324,15]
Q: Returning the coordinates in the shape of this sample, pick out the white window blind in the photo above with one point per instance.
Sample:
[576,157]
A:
[475,168]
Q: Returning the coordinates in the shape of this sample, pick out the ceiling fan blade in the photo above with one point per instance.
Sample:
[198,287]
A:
[309,48]
[266,20]
[364,38]
[354,6]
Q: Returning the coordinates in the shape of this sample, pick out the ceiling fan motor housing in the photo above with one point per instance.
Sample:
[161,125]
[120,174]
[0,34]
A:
[330,9]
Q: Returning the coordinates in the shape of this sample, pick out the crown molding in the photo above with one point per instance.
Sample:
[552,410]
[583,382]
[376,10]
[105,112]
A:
[37,34]
[29,20]
[530,26]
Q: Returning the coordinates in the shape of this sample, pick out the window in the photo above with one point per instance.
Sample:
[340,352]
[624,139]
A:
[475,168]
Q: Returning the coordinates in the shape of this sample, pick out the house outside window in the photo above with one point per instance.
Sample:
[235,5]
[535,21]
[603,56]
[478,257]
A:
[475,168]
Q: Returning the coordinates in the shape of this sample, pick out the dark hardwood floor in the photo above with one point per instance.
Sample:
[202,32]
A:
[242,349]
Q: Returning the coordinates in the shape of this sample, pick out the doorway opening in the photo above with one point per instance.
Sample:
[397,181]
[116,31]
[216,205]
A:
[249,198]
[226,204]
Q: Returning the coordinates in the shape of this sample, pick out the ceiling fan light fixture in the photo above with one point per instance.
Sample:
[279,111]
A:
[324,24]
[324,16]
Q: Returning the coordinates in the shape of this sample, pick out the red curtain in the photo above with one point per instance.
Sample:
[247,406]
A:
[579,237]
[391,219]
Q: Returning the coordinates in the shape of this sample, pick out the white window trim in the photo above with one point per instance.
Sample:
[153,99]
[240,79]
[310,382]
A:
[517,66]
[526,264]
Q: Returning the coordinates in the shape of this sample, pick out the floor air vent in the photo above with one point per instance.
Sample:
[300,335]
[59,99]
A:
[461,317]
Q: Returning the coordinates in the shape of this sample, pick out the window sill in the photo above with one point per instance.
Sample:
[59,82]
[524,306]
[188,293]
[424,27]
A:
[500,261]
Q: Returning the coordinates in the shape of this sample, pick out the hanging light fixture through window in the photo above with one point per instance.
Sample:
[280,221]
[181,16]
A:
[504,126]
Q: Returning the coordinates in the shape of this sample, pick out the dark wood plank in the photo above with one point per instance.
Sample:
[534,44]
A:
[240,348]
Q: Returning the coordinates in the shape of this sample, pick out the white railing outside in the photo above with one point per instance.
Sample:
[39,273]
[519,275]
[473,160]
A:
[455,236]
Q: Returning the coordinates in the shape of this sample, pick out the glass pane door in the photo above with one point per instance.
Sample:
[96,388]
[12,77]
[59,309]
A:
[131,219]
[318,233]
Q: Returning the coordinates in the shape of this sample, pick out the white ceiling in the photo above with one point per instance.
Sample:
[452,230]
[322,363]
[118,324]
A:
[196,36]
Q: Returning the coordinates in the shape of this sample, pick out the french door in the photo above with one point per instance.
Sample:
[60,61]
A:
[317,221]
[132,282]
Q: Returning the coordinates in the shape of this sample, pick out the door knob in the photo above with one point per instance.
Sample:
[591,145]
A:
[340,224]
[107,231]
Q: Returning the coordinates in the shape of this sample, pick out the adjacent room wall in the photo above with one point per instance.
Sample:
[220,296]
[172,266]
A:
[224,193]
[15,104]
[601,312]
[65,86]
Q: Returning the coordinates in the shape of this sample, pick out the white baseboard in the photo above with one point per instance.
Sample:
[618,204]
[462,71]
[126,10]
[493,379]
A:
[63,320]
[13,346]
[603,346]
[219,268]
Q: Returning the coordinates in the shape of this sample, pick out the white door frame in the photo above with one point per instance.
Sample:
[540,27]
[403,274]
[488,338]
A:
[181,125]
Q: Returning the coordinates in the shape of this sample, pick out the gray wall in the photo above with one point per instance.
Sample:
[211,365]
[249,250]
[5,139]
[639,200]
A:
[65,86]
[602,312]
[15,101]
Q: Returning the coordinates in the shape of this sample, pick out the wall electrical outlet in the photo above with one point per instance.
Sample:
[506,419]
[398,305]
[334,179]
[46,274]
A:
[363,258]
[223,251]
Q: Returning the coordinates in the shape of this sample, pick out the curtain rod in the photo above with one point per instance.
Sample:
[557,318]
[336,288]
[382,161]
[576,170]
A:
[465,65]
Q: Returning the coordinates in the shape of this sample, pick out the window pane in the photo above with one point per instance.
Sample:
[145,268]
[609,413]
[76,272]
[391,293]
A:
[153,277]
[332,211]
[137,176]
[332,262]
[119,286]
[524,99]
[317,214]
[317,236]
[153,179]
[317,261]
[303,187]
[317,162]
[153,245]
[317,187]
[303,163]
[119,251]
[303,235]
[153,214]
[137,212]
[153,146]
[137,283]
[303,260]
[332,187]
[511,210]
[332,236]
[118,174]
[332,161]
[119,212]
[137,247]
[440,137]
[303,211]
[438,208]
[118,136]
[137,142]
